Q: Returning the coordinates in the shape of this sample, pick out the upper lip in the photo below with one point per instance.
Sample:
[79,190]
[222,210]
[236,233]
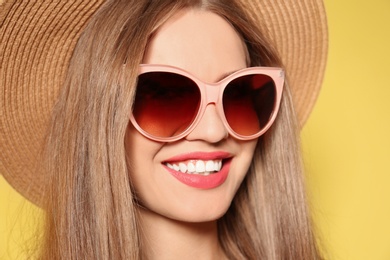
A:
[200,156]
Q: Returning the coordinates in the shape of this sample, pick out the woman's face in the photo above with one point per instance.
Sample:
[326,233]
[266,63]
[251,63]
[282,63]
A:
[207,46]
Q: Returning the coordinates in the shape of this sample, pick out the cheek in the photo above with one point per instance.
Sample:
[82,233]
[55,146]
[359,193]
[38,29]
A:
[247,149]
[141,153]
[242,162]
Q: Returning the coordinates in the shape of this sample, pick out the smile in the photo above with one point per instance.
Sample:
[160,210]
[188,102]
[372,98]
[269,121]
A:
[197,166]
[200,170]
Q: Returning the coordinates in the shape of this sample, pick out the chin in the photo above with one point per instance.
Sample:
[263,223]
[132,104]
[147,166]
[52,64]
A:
[200,218]
[198,213]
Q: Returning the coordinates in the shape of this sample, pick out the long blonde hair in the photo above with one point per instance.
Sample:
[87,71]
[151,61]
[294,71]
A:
[91,213]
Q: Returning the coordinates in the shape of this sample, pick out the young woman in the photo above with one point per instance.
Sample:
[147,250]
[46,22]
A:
[174,134]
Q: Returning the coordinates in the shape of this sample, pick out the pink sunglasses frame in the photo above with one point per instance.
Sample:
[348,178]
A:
[211,93]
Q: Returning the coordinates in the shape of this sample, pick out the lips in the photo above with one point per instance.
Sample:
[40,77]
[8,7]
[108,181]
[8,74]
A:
[200,170]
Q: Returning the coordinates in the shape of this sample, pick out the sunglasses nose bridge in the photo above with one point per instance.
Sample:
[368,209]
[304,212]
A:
[212,94]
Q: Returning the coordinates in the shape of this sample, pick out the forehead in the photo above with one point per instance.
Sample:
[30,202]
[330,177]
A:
[196,40]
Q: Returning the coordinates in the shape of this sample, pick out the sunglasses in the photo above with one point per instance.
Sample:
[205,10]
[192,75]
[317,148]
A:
[170,102]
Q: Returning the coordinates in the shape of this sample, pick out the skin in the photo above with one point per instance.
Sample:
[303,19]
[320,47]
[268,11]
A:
[176,219]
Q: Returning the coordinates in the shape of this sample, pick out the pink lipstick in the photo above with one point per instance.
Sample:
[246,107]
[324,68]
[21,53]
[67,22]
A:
[209,180]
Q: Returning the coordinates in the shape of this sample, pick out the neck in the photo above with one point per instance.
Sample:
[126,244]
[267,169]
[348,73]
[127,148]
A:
[164,238]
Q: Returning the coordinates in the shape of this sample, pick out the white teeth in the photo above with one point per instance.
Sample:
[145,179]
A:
[209,166]
[200,166]
[183,167]
[191,167]
[197,167]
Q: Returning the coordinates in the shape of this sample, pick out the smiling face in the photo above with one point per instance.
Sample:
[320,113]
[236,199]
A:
[193,179]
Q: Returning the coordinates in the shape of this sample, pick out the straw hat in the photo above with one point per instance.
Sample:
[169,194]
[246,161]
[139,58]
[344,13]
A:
[36,42]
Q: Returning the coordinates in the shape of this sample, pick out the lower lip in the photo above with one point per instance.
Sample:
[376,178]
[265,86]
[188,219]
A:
[199,181]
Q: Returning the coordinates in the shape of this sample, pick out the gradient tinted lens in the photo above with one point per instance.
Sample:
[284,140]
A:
[166,103]
[248,103]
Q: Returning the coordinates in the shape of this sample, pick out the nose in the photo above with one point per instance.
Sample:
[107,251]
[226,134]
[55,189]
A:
[210,127]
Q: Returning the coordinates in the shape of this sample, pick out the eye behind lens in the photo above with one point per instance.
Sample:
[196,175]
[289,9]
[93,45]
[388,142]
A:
[249,102]
[166,103]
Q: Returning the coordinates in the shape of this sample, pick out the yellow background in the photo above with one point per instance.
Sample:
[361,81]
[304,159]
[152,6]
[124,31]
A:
[347,139]
[346,142]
